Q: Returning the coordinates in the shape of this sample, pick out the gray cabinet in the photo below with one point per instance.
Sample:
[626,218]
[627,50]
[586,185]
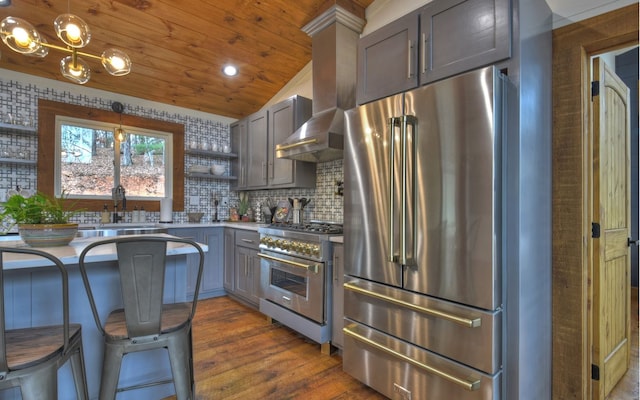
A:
[387,59]
[246,267]
[238,131]
[256,151]
[254,140]
[229,259]
[439,40]
[461,35]
[284,118]
[338,296]
[212,275]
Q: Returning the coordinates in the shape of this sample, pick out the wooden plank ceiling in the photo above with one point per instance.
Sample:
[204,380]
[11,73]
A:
[178,48]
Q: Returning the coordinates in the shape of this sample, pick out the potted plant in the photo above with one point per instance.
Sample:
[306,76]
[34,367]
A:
[243,206]
[42,221]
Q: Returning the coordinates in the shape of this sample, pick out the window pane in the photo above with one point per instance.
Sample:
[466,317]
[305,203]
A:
[143,166]
[86,161]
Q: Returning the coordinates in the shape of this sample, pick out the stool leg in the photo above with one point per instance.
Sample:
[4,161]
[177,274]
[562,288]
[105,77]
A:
[110,371]
[79,372]
[181,357]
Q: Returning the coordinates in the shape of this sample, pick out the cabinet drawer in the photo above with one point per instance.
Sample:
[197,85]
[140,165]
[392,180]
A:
[247,239]
[473,336]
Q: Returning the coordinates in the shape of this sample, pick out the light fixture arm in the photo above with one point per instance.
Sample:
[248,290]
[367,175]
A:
[74,52]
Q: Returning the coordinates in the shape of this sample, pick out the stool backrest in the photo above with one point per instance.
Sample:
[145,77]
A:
[142,262]
[48,259]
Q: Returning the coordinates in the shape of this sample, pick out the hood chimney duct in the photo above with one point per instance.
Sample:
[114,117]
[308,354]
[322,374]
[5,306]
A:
[334,40]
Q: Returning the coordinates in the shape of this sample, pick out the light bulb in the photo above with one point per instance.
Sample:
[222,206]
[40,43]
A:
[116,62]
[21,36]
[73,32]
[230,70]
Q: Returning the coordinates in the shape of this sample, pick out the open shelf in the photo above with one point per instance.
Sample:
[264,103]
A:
[17,129]
[208,153]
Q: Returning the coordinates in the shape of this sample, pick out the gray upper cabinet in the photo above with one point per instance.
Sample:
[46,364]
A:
[387,60]
[439,40]
[284,118]
[239,147]
[255,138]
[256,152]
[461,35]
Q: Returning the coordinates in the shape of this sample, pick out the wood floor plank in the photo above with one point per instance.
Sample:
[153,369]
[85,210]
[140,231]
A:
[239,355]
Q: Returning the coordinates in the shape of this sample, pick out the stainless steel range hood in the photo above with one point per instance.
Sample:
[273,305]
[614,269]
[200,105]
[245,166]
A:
[334,39]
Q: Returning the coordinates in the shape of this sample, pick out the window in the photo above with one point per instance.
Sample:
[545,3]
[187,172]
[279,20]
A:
[77,154]
[91,160]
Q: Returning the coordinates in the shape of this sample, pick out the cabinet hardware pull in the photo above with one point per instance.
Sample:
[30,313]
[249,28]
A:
[247,240]
[409,59]
[313,267]
[423,57]
[296,144]
[466,384]
[469,323]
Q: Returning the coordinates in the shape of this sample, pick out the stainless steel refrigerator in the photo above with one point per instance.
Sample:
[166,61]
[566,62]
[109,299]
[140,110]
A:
[423,240]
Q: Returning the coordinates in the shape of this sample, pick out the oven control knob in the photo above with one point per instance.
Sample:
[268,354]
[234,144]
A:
[268,241]
[307,249]
[316,251]
[295,246]
[286,245]
[278,243]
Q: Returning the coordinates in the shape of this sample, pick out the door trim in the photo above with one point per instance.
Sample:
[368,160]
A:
[573,45]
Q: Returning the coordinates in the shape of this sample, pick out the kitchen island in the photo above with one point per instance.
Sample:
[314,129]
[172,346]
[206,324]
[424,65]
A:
[31,284]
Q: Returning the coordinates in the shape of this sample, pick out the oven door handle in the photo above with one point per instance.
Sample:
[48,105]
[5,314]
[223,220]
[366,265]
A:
[309,267]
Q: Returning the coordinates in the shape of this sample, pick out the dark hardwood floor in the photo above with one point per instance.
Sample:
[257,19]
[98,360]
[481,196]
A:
[238,355]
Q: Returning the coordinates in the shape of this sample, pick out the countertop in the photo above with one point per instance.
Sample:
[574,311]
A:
[69,254]
[252,226]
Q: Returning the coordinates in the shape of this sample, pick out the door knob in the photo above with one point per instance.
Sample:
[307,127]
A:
[631,242]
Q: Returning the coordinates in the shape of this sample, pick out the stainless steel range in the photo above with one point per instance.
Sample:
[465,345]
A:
[295,273]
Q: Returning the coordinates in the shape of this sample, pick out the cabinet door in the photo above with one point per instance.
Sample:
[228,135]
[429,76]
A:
[254,271]
[244,273]
[192,259]
[338,295]
[239,146]
[229,259]
[284,118]
[461,35]
[257,150]
[212,275]
[387,60]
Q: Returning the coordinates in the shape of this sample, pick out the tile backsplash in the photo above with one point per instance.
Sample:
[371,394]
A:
[18,101]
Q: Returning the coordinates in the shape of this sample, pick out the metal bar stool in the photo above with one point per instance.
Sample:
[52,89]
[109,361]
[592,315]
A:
[30,357]
[145,322]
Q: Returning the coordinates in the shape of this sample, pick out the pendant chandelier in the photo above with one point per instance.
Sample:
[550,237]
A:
[23,38]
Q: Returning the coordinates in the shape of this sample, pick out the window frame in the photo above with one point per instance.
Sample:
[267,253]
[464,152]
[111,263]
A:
[48,111]
[130,130]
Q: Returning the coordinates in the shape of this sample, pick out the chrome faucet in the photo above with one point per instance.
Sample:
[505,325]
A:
[118,195]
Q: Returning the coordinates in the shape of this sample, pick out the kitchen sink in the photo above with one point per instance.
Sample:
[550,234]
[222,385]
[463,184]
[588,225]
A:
[114,231]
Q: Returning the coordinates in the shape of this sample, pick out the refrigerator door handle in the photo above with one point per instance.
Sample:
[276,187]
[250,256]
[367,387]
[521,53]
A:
[466,322]
[408,160]
[393,123]
[463,382]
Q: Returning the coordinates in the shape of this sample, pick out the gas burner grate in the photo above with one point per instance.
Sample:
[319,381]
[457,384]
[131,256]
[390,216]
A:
[315,227]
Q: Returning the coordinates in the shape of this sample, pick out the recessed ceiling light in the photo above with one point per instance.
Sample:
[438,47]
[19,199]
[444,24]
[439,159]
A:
[230,70]
[5,3]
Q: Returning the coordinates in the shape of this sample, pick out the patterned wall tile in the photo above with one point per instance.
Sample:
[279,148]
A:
[18,103]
